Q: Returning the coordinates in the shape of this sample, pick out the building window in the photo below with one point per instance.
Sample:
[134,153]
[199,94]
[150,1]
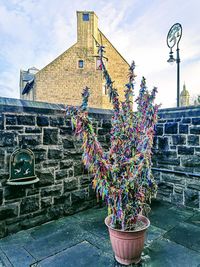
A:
[86,17]
[81,64]
[98,64]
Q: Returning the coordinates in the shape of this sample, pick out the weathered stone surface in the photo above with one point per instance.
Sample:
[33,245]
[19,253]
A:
[73,154]
[106,124]
[50,136]
[165,189]
[159,130]
[2,158]
[46,202]
[67,143]
[8,211]
[171,178]
[103,131]
[25,120]
[1,196]
[7,139]
[57,121]
[1,122]
[79,196]
[51,191]
[179,140]
[191,198]
[2,230]
[40,154]
[193,183]
[65,164]
[163,143]
[33,221]
[55,153]
[61,174]
[166,158]
[66,130]
[33,130]
[29,140]
[42,121]
[191,161]
[14,192]
[197,149]
[196,121]
[29,204]
[92,193]
[32,191]
[55,212]
[183,150]
[193,140]
[171,128]
[11,120]
[15,128]
[195,130]
[183,128]
[70,184]
[85,180]
[64,199]
[71,173]
[52,163]
[46,177]
[186,120]
[78,169]
[177,198]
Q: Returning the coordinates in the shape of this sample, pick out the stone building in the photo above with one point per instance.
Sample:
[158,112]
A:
[62,80]
[184,97]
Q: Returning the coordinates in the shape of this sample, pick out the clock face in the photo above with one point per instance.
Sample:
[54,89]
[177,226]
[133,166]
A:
[174,35]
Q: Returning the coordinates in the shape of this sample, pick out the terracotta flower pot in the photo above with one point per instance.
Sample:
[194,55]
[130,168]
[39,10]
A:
[127,245]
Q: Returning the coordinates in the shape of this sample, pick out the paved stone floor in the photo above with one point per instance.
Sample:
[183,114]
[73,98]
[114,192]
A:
[173,240]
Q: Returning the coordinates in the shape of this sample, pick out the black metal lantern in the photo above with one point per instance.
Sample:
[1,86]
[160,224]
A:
[22,168]
[173,38]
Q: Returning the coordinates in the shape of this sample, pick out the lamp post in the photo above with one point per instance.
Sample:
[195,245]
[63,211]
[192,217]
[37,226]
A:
[173,38]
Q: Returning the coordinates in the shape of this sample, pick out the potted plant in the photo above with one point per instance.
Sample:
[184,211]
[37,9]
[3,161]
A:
[122,175]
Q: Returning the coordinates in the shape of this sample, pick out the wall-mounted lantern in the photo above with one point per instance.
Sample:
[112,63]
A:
[22,168]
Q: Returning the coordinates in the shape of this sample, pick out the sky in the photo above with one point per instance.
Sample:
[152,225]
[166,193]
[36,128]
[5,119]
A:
[35,32]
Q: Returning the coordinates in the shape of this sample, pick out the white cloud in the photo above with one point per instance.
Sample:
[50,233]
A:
[34,33]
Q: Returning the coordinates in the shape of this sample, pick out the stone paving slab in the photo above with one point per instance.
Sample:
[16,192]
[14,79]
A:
[4,262]
[166,217]
[56,242]
[52,227]
[18,256]
[80,255]
[78,239]
[195,219]
[185,234]
[164,253]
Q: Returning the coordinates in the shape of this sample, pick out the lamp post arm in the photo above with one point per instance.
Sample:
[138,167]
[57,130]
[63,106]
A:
[178,76]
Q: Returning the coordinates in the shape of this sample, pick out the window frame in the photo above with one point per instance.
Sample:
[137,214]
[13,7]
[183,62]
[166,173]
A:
[81,64]
[86,17]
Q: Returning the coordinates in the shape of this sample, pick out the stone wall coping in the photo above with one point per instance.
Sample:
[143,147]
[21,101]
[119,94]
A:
[19,105]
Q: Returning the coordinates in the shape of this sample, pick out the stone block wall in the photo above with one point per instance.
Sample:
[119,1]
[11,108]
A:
[176,158]
[64,185]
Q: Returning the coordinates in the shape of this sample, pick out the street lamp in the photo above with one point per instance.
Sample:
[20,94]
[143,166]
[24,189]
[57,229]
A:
[173,38]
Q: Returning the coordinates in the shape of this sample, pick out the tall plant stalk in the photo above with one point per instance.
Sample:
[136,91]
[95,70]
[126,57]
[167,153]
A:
[122,176]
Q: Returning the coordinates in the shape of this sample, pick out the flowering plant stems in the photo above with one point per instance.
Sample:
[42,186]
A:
[122,176]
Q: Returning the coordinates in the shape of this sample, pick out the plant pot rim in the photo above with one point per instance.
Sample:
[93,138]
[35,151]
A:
[142,217]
